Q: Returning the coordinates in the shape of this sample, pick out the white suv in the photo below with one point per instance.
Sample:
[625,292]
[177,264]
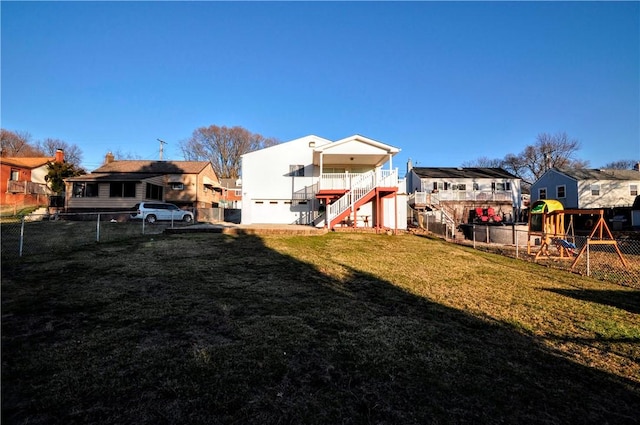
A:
[153,211]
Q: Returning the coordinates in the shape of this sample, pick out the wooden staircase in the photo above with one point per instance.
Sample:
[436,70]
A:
[364,188]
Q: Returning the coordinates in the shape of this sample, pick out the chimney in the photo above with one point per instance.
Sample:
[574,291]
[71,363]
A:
[59,156]
[109,158]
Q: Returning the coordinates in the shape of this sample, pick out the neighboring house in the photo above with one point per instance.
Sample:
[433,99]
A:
[318,182]
[23,180]
[231,193]
[588,188]
[460,193]
[119,185]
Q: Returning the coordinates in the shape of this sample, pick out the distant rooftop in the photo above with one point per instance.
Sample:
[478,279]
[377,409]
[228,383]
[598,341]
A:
[463,173]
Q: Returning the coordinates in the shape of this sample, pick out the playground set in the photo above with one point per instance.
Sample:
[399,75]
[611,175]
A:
[557,236]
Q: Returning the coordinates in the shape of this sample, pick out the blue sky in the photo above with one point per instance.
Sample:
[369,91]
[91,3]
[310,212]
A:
[446,82]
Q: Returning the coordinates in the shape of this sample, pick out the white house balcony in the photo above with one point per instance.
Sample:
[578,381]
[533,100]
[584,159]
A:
[347,181]
[434,198]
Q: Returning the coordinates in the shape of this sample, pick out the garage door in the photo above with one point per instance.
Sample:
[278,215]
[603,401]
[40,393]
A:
[276,212]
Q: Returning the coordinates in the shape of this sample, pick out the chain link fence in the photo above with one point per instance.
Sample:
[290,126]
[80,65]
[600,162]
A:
[46,233]
[616,260]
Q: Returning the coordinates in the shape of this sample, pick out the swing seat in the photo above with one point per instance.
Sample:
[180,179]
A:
[569,246]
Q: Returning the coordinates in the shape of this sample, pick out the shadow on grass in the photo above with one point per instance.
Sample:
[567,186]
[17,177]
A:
[625,300]
[222,329]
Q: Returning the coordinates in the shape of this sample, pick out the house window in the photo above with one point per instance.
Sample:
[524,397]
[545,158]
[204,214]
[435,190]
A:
[595,190]
[561,191]
[154,192]
[462,186]
[177,186]
[85,190]
[633,189]
[501,187]
[296,170]
[15,175]
[122,190]
[542,193]
[237,192]
[476,186]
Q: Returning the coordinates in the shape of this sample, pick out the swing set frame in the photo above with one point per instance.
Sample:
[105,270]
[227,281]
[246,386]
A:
[553,232]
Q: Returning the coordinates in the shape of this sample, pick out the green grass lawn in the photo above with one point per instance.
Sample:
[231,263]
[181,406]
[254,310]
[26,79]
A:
[334,329]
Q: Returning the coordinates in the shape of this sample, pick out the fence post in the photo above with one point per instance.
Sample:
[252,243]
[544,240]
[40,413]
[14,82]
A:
[21,237]
[474,235]
[588,260]
[487,229]
[515,235]
[98,229]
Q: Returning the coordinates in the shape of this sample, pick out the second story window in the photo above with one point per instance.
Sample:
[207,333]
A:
[595,190]
[501,187]
[296,170]
[633,189]
[561,192]
[542,193]
[15,175]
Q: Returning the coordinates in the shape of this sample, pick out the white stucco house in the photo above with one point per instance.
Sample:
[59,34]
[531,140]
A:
[587,188]
[324,183]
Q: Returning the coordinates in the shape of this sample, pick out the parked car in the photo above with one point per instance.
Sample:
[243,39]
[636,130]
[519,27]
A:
[154,211]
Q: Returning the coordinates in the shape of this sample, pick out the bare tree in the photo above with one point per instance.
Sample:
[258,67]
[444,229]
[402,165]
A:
[120,155]
[223,147]
[623,164]
[17,143]
[484,162]
[72,153]
[549,151]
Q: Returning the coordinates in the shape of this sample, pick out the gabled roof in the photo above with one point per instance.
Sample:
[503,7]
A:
[357,138]
[153,167]
[356,150]
[462,173]
[597,174]
[27,162]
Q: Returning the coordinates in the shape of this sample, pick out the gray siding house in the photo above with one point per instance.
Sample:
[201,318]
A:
[588,188]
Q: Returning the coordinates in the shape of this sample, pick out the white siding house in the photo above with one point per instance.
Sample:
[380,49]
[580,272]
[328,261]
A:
[314,181]
[588,188]
[460,191]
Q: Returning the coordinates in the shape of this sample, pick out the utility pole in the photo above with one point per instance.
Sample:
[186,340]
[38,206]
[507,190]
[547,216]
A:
[162,143]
